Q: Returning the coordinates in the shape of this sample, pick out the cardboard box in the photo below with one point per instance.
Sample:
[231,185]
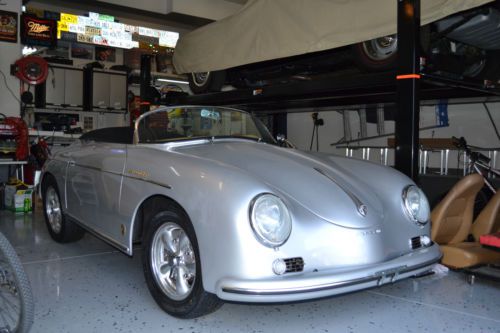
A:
[19,201]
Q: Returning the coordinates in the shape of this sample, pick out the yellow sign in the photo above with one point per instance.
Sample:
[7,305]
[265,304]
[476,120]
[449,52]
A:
[62,26]
[68,18]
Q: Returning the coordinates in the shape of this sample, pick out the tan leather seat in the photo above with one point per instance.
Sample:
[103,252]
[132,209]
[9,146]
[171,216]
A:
[488,221]
[452,222]
[452,217]
[468,254]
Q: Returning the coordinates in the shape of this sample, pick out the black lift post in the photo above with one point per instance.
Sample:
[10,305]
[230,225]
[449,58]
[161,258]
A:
[145,82]
[408,88]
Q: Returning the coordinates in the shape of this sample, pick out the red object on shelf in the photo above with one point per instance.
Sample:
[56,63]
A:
[17,128]
[491,240]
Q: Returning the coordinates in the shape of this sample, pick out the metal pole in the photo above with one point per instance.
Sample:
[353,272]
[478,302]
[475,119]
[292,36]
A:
[408,86]
[145,81]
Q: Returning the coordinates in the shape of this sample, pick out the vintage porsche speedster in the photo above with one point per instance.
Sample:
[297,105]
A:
[224,213]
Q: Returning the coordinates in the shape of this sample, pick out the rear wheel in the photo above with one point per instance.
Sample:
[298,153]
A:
[60,229]
[487,68]
[203,82]
[172,267]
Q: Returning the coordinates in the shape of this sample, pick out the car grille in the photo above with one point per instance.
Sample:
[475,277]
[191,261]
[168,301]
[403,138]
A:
[294,265]
[415,243]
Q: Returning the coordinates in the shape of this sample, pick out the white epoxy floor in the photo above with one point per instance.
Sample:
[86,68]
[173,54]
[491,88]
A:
[89,286]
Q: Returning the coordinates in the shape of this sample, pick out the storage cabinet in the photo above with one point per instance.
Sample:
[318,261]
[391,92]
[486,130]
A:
[107,90]
[62,89]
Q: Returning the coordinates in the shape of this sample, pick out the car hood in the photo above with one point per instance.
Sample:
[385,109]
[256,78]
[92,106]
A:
[317,182]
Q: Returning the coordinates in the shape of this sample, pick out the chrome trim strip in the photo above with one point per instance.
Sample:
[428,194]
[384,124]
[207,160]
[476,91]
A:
[360,206]
[323,287]
[149,181]
[101,236]
[125,176]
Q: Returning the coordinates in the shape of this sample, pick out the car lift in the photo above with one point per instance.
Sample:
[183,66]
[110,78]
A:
[406,88]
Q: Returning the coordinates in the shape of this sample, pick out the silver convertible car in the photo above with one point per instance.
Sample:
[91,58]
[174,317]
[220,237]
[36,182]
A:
[225,214]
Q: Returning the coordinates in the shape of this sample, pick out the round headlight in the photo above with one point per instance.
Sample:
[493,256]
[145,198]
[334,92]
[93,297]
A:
[270,220]
[416,204]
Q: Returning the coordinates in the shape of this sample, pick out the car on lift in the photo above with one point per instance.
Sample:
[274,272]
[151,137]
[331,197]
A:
[463,45]
[224,213]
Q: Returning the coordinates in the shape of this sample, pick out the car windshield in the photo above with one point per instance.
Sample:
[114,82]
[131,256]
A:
[199,122]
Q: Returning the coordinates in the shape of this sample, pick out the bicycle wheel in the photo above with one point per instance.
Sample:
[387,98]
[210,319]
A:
[16,300]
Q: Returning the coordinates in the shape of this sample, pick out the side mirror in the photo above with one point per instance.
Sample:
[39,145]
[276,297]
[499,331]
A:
[284,142]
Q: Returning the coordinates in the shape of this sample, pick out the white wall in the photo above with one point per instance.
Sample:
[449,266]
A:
[210,9]
[468,120]
[157,6]
[9,53]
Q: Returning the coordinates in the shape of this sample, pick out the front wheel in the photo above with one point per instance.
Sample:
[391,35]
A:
[172,267]
[16,300]
[204,82]
[377,54]
[60,229]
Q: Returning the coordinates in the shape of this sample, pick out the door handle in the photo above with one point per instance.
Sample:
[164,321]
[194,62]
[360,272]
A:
[72,163]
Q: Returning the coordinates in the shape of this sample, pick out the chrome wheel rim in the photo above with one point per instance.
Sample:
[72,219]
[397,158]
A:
[379,49]
[173,261]
[201,78]
[53,209]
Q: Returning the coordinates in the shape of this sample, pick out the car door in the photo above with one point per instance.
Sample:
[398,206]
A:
[93,186]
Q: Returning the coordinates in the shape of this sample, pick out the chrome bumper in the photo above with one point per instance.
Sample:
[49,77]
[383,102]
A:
[328,283]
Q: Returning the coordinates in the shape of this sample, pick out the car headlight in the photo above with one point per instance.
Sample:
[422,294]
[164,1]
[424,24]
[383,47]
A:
[270,220]
[416,205]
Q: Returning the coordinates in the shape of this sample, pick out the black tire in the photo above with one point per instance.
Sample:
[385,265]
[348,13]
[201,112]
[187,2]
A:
[487,69]
[194,302]
[14,287]
[200,83]
[60,228]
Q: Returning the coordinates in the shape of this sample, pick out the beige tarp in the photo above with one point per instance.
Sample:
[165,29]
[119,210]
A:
[270,29]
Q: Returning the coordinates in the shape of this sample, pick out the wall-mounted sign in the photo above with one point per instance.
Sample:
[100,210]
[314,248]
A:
[8,26]
[102,30]
[36,31]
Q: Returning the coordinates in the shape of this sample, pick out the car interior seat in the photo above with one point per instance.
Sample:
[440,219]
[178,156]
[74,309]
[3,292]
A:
[452,221]
[488,220]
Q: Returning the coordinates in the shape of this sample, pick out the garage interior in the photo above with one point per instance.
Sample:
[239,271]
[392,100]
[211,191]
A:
[407,117]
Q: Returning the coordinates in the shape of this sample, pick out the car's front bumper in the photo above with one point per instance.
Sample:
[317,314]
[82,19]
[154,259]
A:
[319,284]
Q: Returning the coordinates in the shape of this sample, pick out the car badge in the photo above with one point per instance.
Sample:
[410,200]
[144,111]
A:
[362,210]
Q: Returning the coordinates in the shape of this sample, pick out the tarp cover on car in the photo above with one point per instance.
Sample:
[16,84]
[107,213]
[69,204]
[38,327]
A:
[270,29]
